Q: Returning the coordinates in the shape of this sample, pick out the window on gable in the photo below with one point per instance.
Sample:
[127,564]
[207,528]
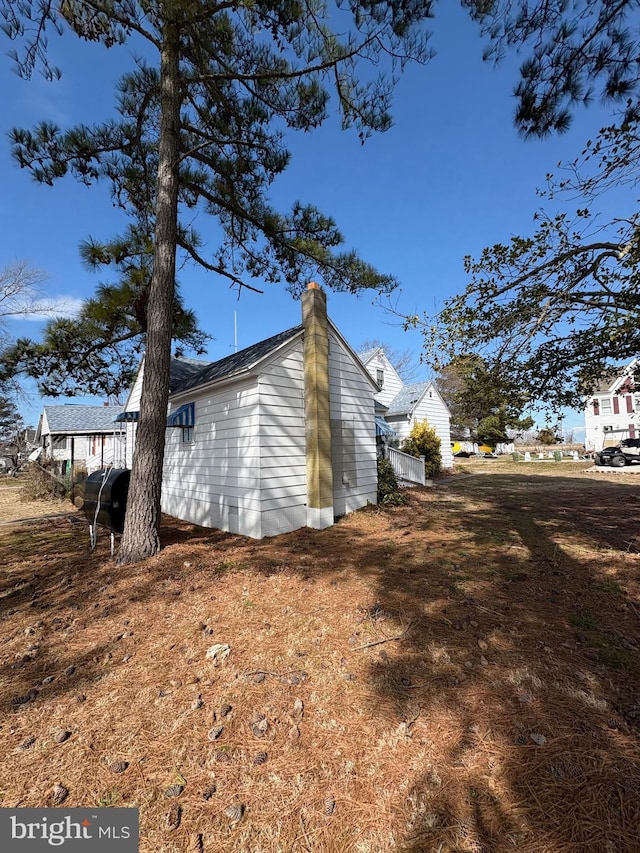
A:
[605,405]
[380,377]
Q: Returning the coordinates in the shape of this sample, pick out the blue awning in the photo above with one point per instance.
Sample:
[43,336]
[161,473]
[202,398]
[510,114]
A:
[131,417]
[383,428]
[185,416]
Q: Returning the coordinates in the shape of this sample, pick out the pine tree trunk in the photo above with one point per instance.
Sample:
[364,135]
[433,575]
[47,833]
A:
[141,537]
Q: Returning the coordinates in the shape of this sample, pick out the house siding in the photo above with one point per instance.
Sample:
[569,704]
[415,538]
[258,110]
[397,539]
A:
[353,439]
[434,412]
[392,382]
[281,437]
[215,480]
[599,421]
[130,428]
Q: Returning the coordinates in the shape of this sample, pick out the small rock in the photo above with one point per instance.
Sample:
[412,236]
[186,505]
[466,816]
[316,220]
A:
[197,703]
[484,661]
[26,744]
[126,658]
[258,678]
[294,733]
[298,709]
[209,792]
[118,766]
[49,679]
[482,644]
[537,738]
[70,670]
[215,732]
[225,710]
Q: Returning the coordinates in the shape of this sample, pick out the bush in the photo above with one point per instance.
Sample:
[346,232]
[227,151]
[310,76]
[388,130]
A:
[423,441]
[42,482]
[388,492]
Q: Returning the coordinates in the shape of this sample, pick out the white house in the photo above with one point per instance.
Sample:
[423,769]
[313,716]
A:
[409,404]
[278,436]
[612,412]
[86,434]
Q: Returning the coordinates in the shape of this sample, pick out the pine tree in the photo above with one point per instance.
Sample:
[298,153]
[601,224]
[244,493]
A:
[203,130]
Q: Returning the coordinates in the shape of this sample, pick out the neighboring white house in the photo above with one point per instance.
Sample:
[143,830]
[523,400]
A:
[409,404]
[612,412]
[278,436]
[87,434]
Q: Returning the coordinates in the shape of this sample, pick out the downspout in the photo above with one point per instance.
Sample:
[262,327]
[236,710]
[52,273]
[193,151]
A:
[317,412]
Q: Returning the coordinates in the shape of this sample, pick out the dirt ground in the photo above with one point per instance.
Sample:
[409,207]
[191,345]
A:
[459,674]
[13,507]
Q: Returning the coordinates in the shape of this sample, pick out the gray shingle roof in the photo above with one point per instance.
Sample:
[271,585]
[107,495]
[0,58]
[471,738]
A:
[405,400]
[235,363]
[182,369]
[82,419]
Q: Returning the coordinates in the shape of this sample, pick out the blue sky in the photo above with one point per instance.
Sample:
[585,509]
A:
[449,178]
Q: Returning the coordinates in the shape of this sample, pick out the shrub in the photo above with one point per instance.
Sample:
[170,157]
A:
[388,492]
[423,441]
[42,482]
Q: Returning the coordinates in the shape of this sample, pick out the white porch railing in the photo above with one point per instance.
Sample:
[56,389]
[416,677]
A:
[407,467]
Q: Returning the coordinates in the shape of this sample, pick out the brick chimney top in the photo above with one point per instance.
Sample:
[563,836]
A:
[313,285]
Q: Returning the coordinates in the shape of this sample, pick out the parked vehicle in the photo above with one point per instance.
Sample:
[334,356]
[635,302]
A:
[625,453]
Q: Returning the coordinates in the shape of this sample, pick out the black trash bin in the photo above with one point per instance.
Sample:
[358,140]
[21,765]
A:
[106,492]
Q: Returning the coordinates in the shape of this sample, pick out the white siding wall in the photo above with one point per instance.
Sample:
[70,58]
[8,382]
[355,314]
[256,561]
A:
[392,382]
[214,481]
[133,405]
[355,479]
[281,437]
[432,410]
[595,433]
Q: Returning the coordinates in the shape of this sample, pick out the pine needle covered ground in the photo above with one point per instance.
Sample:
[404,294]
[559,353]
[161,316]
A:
[460,674]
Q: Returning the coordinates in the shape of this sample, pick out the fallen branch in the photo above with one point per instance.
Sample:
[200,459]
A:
[386,640]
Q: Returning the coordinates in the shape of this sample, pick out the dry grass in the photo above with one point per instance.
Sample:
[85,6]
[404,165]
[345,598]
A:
[503,716]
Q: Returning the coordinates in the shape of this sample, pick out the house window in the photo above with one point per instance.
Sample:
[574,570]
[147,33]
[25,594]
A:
[59,442]
[605,405]
[187,435]
[380,377]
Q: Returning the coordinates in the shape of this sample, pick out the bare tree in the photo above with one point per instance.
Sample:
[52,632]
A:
[20,294]
[406,363]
